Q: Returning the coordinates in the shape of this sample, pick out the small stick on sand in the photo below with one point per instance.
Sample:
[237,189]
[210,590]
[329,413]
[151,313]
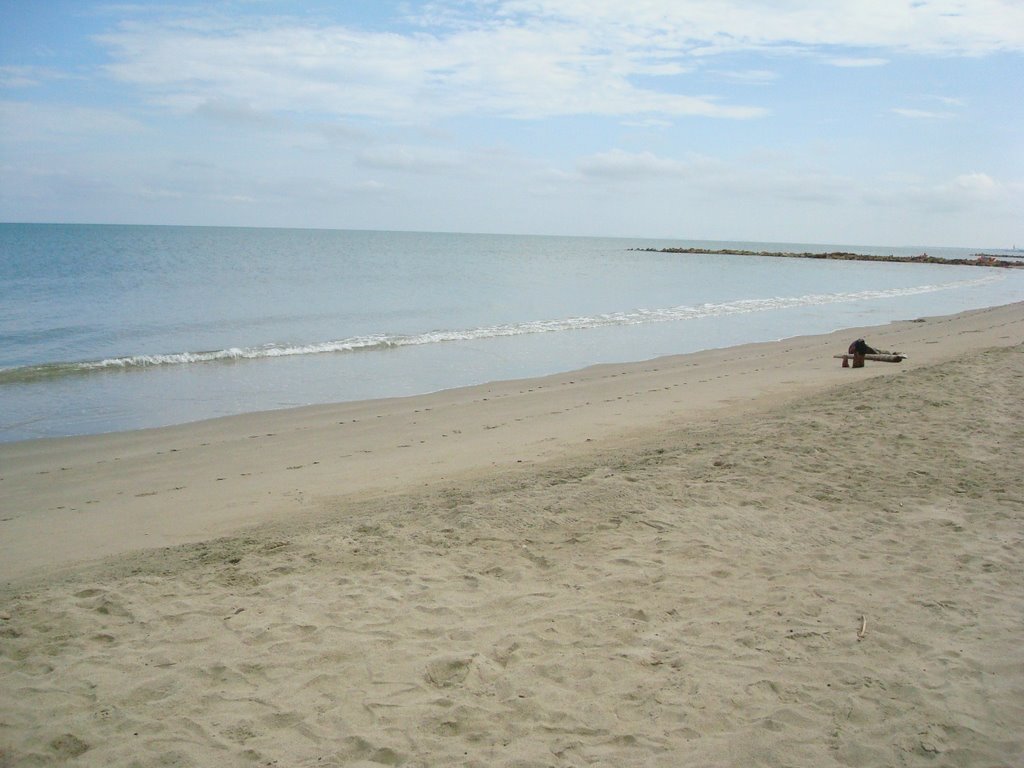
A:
[863,628]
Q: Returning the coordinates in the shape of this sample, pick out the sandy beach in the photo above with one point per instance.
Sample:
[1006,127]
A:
[741,557]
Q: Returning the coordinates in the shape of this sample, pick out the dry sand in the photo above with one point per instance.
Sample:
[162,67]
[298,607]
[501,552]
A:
[741,557]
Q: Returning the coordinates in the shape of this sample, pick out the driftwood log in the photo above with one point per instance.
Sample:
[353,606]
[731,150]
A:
[881,358]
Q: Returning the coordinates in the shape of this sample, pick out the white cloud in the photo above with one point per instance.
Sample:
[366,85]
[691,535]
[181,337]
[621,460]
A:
[159,193]
[962,194]
[420,160]
[237,199]
[232,111]
[914,113]
[968,27]
[977,185]
[618,164]
[921,114]
[25,76]
[395,118]
[854,62]
[27,121]
[749,76]
[709,176]
[530,58]
[527,70]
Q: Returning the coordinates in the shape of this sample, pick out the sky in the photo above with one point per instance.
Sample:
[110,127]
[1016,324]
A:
[862,122]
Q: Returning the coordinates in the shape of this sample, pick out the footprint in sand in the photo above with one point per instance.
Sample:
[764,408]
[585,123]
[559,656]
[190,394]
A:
[68,746]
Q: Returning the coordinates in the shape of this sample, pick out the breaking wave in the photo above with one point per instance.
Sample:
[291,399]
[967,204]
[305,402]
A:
[379,342]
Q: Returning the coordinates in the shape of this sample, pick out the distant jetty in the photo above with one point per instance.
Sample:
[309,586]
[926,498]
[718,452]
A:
[978,260]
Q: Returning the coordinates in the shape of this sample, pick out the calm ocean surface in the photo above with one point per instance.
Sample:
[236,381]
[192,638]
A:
[107,328]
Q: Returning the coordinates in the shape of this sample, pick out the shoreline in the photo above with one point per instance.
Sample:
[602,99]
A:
[750,557]
[101,495]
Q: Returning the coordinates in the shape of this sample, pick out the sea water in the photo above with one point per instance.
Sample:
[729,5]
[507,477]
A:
[106,328]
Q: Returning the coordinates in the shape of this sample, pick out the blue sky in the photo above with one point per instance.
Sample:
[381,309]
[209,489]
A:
[834,121]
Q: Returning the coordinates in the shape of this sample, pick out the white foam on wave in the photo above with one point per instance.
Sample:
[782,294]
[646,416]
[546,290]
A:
[391,341]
